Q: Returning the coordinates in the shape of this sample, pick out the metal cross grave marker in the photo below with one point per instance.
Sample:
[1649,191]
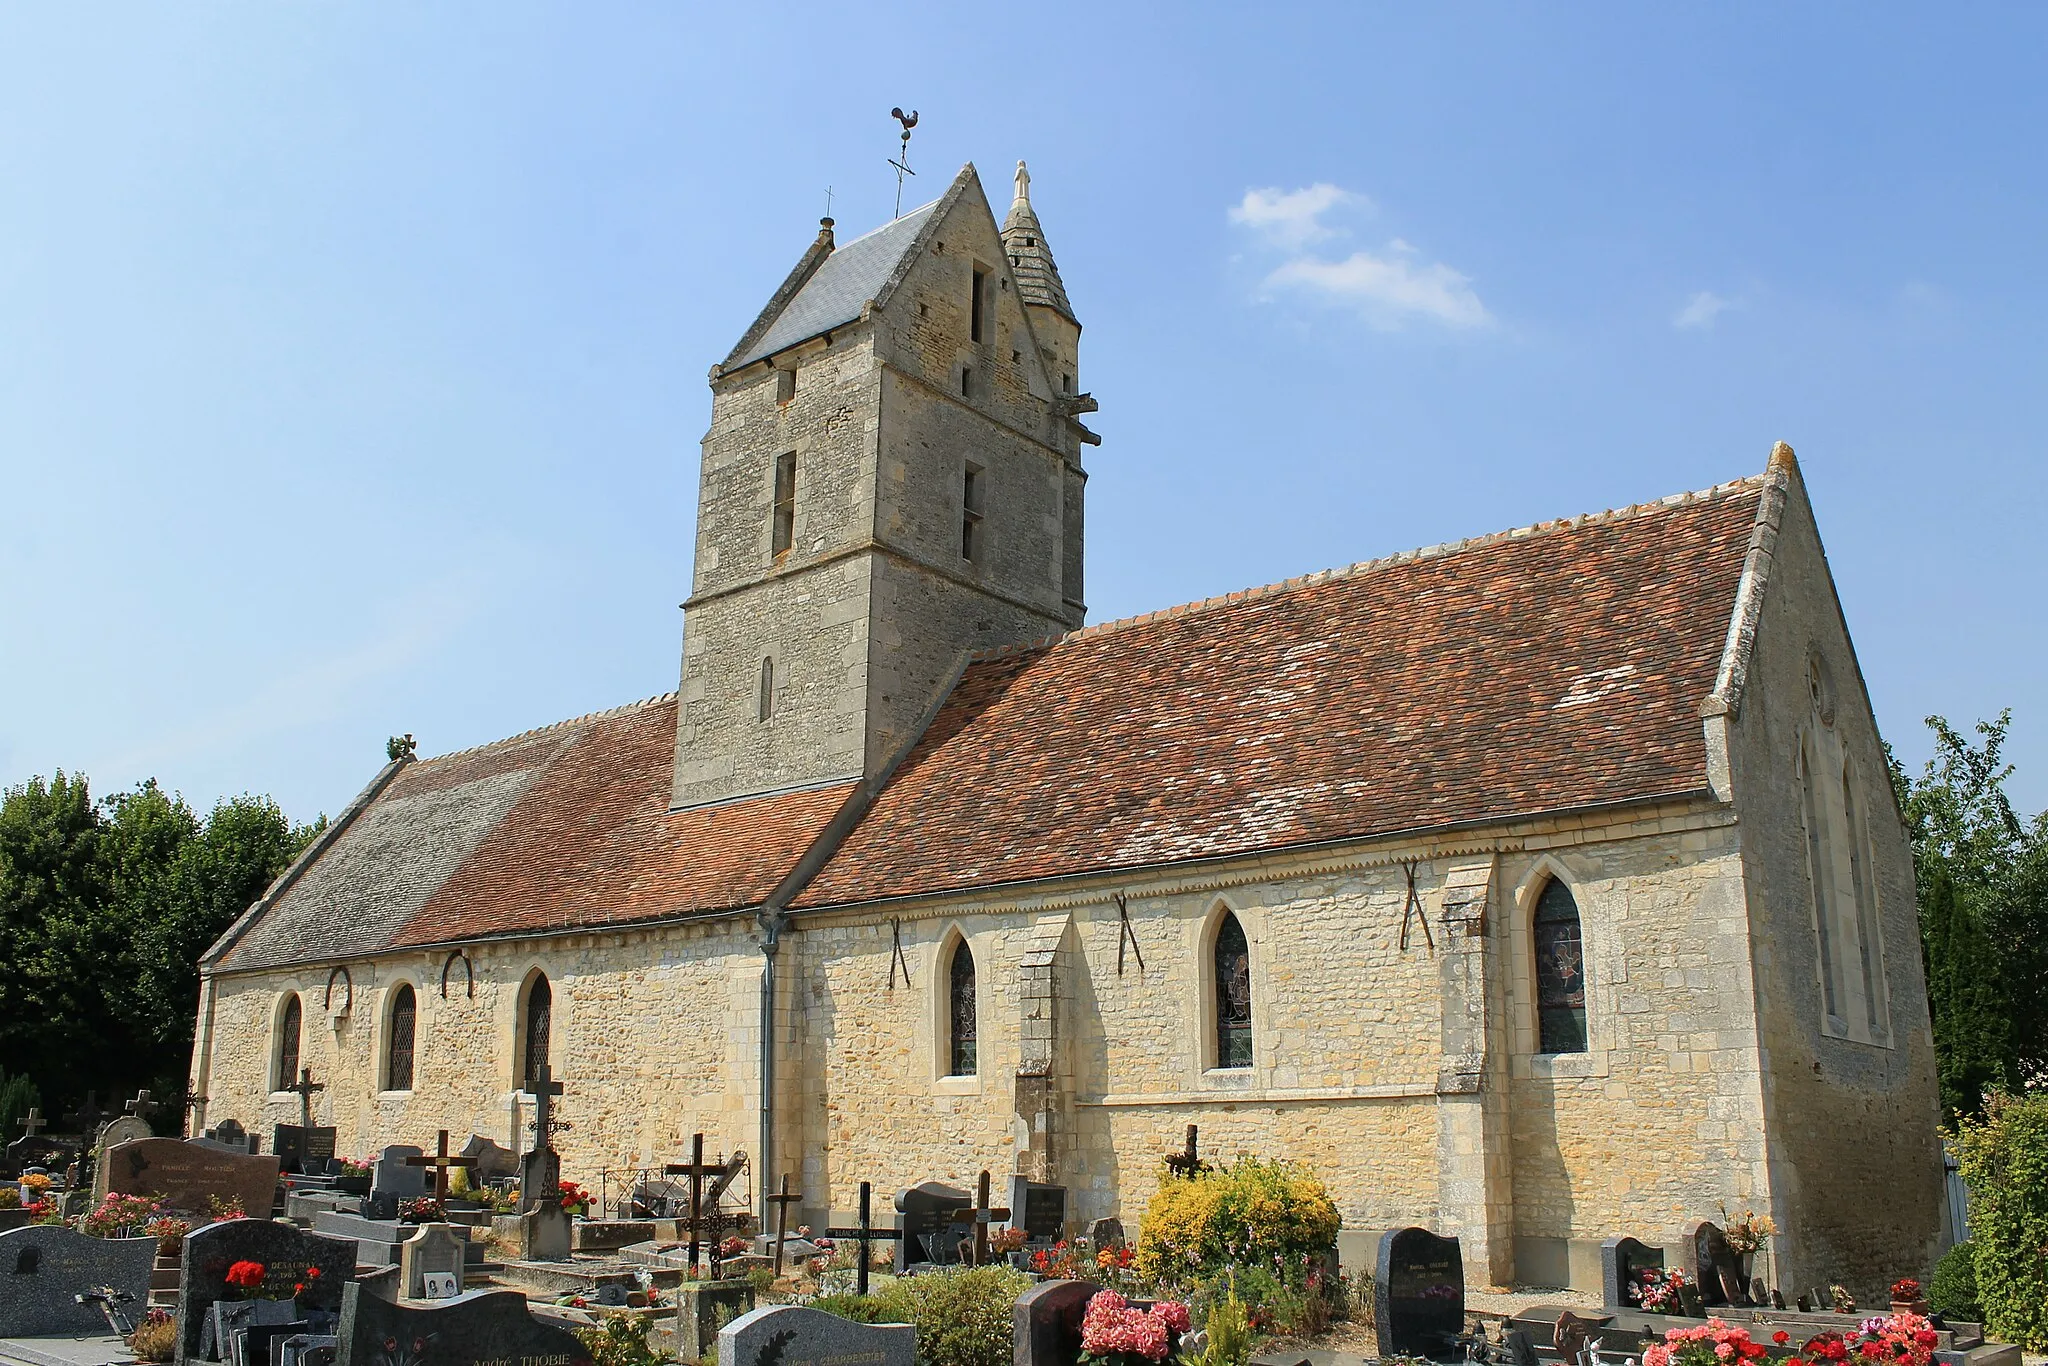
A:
[1188,1161]
[865,1234]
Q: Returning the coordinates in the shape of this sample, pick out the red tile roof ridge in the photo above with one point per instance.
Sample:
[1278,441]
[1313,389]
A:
[1441,550]
[619,710]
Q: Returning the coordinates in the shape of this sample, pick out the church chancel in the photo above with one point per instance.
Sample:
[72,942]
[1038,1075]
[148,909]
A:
[1537,888]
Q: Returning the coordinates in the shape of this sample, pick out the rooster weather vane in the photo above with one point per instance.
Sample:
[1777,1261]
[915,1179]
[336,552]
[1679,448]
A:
[901,161]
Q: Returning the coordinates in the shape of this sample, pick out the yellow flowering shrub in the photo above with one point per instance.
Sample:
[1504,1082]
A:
[1276,1215]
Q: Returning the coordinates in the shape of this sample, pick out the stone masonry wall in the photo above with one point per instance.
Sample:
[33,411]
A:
[1855,1160]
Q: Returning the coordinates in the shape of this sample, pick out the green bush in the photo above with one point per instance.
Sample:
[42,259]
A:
[964,1316]
[2004,1160]
[1251,1213]
[859,1308]
[621,1341]
[1953,1291]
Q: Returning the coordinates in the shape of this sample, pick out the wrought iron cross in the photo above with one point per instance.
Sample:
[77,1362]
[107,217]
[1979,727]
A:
[1188,1160]
[696,1170]
[89,1116]
[441,1162]
[864,1234]
[306,1087]
[981,1216]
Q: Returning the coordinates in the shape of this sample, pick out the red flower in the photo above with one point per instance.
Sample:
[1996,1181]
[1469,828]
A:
[245,1275]
[312,1273]
[1781,1336]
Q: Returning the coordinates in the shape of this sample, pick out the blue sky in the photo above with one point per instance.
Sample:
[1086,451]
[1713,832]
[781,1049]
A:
[352,357]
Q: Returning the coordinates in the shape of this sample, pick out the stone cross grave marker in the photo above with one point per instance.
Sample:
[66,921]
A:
[44,1265]
[306,1088]
[290,1258]
[1046,1324]
[794,1335]
[190,1176]
[430,1263]
[866,1234]
[1418,1293]
[1039,1209]
[782,1200]
[33,1123]
[979,1217]
[441,1161]
[1622,1263]
[393,1178]
[924,1219]
[142,1107]
[481,1328]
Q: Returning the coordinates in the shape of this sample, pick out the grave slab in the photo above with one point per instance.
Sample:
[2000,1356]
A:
[289,1256]
[792,1335]
[44,1265]
[1622,1260]
[1047,1322]
[703,1308]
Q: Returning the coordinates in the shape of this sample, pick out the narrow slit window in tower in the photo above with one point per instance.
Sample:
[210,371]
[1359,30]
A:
[784,532]
[977,305]
[970,513]
[785,384]
[764,694]
[967,381]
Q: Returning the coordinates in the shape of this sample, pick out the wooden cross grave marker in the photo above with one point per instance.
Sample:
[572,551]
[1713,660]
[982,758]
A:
[305,1087]
[1188,1161]
[782,1201]
[33,1123]
[980,1217]
[865,1234]
[441,1162]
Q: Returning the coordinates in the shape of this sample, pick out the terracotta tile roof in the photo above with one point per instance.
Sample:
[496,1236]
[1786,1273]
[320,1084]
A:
[1553,667]
[558,828]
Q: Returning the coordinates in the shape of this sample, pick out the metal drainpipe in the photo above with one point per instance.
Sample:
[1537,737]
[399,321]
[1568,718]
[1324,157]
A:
[772,922]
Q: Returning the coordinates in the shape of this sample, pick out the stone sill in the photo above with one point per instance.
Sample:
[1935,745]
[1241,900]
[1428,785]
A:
[1263,1095]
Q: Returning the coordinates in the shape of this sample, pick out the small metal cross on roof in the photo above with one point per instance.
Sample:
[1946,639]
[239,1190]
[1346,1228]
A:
[306,1086]
[981,1216]
[32,1124]
[1188,1160]
[441,1162]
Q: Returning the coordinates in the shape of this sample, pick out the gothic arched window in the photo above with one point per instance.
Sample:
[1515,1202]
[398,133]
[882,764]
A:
[1560,972]
[1233,995]
[540,1009]
[289,1026]
[405,1010]
[960,1019]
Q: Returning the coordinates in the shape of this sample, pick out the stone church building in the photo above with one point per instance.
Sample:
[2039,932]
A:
[1538,888]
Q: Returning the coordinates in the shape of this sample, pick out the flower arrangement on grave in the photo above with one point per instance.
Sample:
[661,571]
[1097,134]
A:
[247,1277]
[1004,1241]
[1656,1289]
[1886,1340]
[10,1197]
[1115,1334]
[1841,1300]
[1065,1261]
[575,1199]
[352,1168]
[732,1247]
[224,1208]
[1908,1296]
[120,1216]
[1748,1231]
[1713,1343]
[36,1184]
[423,1209]
[44,1211]
[156,1337]
[169,1231]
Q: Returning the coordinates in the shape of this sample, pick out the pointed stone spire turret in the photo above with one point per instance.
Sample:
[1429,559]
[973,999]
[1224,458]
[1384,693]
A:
[1038,279]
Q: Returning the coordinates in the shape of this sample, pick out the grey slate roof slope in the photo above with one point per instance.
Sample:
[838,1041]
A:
[839,288]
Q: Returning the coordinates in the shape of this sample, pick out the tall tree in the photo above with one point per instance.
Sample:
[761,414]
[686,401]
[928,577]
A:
[1983,881]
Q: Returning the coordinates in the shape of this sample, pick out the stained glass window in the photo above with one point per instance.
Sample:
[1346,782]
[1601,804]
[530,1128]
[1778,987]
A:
[288,1030]
[540,1002]
[960,1013]
[1560,972]
[404,1015]
[1233,995]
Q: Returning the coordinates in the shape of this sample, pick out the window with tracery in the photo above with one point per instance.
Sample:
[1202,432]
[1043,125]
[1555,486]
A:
[1233,968]
[398,1051]
[540,1004]
[1560,972]
[960,1011]
[289,1028]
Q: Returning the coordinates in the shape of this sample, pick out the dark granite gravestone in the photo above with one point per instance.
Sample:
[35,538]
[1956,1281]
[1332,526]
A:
[1040,1210]
[1418,1293]
[483,1326]
[302,1149]
[288,1256]
[190,1177]
[393,1178]
[1714,1268]
[33,1150]
[230,1134]
[1047,1322]
[255,1344]
[1622,1262]
[1106,1233]
[924,1218]
[44,1265]
[228,1321]
[793,1335]
[540,1179]
[305,1349]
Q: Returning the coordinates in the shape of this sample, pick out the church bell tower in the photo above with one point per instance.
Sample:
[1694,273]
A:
[892,479]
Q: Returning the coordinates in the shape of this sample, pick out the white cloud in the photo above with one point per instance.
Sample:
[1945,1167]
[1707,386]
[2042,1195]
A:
[1388,288]
[1701,310]
[1293,218]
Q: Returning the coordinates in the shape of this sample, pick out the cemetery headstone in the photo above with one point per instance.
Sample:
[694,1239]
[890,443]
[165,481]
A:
[1714,1268]
[1106,1233]
[437,1249]
[289,1256]
[546,1233]
[494,1162]
[231,1132]
[303,1149]
[483,1326]
[1622,1262]
[1418,1293]
[1039,1209]
[793,1335]
[124,1129]
[924,1221]
[189,1176]
[540,1178]
[704,1307]
[393,1178]
[1690,1302]
[1047,1322]
[255,1345]
[43,1266]
[228,1322]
